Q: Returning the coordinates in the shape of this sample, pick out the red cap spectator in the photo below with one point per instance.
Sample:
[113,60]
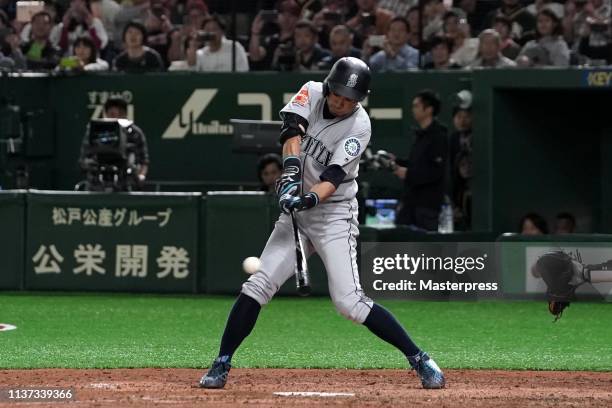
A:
[198,4]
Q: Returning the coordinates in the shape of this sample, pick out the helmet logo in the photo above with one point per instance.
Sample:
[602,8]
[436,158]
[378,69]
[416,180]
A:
[352,81]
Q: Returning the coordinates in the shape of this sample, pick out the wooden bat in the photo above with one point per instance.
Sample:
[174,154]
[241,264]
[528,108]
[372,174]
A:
[301,268]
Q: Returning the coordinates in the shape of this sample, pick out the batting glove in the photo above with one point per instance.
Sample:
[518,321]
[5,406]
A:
[290,182]
[288,203]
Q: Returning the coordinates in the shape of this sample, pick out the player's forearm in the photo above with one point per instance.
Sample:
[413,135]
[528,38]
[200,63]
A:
[324,190]
[292,146]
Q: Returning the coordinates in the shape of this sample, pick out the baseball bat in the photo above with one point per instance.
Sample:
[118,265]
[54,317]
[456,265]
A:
[301,268]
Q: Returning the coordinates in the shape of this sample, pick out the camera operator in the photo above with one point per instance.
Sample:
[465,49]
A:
[137,151]
[424,171]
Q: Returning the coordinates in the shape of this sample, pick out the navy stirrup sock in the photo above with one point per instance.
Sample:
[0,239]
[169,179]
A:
[382,323]
[240,322]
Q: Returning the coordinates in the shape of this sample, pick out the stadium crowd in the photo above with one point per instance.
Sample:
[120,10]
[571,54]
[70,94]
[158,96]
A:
[300,35]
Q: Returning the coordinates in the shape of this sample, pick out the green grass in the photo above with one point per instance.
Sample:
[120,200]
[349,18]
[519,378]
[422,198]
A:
[104,331]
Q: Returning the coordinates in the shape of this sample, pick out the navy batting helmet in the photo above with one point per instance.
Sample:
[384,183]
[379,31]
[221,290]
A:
[349,77]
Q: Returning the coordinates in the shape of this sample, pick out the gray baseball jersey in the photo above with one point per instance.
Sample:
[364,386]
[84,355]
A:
[331,228]
[338,141]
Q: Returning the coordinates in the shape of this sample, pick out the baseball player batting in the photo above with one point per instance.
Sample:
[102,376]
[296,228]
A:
[325,130]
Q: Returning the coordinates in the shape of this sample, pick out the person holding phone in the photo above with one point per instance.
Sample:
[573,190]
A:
[158,27]
[370,19]
[78,21]
[396,55]
[216,56]
[269,31]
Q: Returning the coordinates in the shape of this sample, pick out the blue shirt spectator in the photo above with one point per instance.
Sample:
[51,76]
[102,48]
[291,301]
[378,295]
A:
[396,55]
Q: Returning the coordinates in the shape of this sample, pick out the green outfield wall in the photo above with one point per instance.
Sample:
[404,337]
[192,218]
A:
[112,242]
[12,239]
[542,138]
[187,243]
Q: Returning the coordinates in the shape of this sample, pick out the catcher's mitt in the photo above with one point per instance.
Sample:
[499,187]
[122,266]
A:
[562,275]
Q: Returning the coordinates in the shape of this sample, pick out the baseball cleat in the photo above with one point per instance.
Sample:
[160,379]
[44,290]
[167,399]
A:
[217,375]
[428,371]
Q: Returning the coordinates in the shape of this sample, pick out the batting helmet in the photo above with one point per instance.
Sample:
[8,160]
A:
[349,77]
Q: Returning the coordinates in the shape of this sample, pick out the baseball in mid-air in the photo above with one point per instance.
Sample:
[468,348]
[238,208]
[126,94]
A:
[251,264]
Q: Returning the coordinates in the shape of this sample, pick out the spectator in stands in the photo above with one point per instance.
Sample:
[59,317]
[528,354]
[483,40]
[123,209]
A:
[106,10]
[565,223]
[456,29]
[539,5]
[159,27]
[134,11]
[40,53]
[11,56]
[593,33]
[533,224]
[440,54]
[522,21]
[187,18]
[465,48]
[137,57]
[196,12]
[509,48]
[396,55]
[307,53]
[268,34]
[6,62]
[549,48]
[433,18]
[86,55]
[341,45]
[216,56]
[424,171]
[269,169]
[489,52]
[414,23]
[397,7]
[475,15]
[370,19]
[450,25]
[189,63]
[78,20]
[25,31]
[326,19]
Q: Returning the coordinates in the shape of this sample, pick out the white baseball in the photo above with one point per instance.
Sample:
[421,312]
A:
[251,264]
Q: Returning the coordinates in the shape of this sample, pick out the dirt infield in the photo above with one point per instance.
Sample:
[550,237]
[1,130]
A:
[376,388]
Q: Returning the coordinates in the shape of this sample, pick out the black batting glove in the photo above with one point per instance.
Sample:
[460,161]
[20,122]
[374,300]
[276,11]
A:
[288,203]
